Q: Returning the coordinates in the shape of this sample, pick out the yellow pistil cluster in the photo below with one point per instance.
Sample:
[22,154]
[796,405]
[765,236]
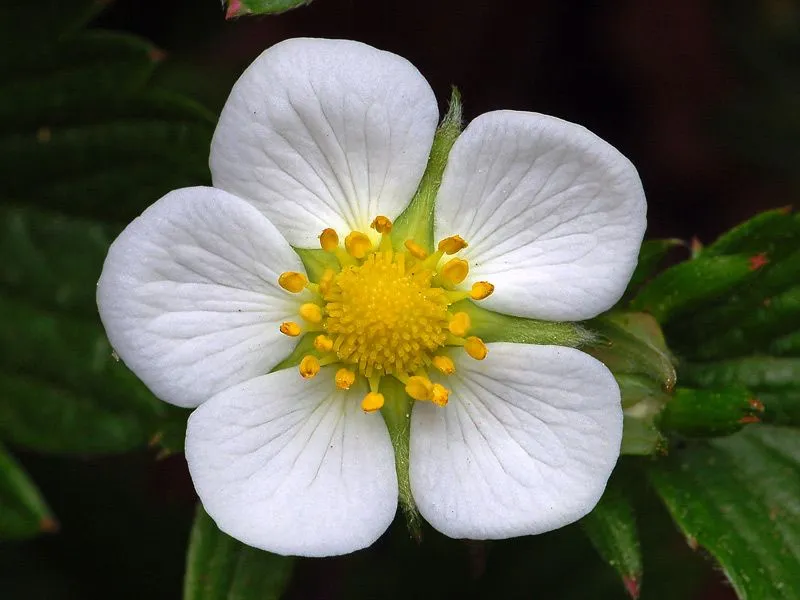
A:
[386,312]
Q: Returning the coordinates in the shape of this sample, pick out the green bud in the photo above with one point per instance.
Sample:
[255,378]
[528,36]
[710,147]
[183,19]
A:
[709,413]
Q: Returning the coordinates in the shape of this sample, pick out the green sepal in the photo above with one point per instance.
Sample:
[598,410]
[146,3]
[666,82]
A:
[691,283]
[219,567]
[304,346]
[710,413]
[611,527]
[632,344]
[416,221]
[23,511]
[396,413]
[643,399]
[497,327]
[316,261]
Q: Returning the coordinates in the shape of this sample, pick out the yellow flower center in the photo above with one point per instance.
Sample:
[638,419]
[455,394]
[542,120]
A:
[386,312]
[384,317]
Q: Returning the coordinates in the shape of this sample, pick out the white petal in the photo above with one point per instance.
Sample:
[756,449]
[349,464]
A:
[525,445]
[294,466]
[553,214]
[189,295]
[325,133]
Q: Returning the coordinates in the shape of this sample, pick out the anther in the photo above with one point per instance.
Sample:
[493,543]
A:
[444,364]
[455,270]
[290,328]
[476,348]
[419,388]
[344,378]
[323,343]
[415,249]
[382,224]
[452,244]
[329,239]
[440,395]
[372,401]
[309,366]
[357,244]
[460,324]
[292,281]
[311,312]
[481,290]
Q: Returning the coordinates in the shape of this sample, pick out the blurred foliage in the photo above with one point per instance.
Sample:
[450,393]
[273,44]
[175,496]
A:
[701,350]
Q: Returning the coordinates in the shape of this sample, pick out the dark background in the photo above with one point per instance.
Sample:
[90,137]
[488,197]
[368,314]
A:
[702,96]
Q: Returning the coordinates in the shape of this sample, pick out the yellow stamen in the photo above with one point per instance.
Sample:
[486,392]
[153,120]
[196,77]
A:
[329,240]
[440,395]
[481,290]
[444,364]
[382,224]
[357,244]
[290,328]
[292,281]
[311,312]
[460,324]
[383,318]
[452,244]
[475,348]
[309,366]
[372,401]
[415,249]
[419,388]
[455,271]
[344,378]
[326,280]
[323,343]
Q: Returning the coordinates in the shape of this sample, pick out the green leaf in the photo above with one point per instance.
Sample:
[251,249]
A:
[775,382]
[219,567]
[238,8]
[739,498]
[771,232]
[651,255]
[23,511]
[416,221]
[612,529]
[691,283]
[62,391]
[706,413]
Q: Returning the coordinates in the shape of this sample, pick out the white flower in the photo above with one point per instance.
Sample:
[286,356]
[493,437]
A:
[326,138]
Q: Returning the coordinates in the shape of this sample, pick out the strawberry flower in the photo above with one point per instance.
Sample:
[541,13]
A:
[318,151]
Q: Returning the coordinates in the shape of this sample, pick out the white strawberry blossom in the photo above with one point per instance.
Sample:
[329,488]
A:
[327,135]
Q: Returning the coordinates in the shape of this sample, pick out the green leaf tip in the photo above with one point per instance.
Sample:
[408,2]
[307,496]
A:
[242,8]
[219,567]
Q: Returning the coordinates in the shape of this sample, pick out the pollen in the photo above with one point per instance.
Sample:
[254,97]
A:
[292,281]
[290,328]
[311,312]
[329,240]
[309,366]
[481,290]
[372,401]
[357,244]
[452,244]
[455,270]
[385,319]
